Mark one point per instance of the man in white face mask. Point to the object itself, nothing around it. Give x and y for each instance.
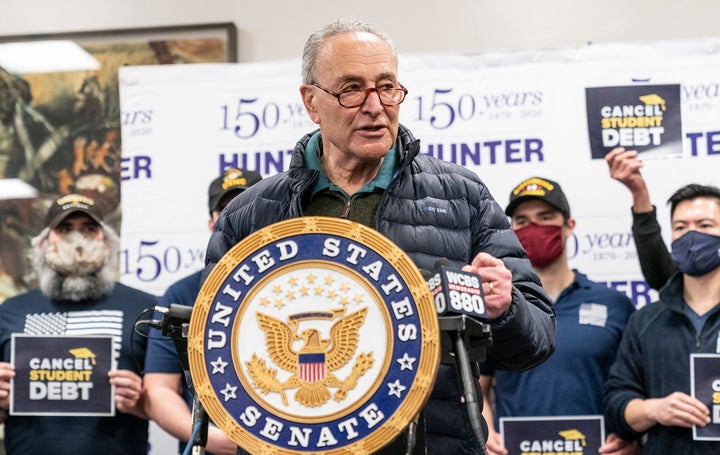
(73, 258)
(76, 260)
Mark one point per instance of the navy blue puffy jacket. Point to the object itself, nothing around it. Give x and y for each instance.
(432, 209)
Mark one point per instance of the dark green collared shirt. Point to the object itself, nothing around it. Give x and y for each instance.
(328, 199)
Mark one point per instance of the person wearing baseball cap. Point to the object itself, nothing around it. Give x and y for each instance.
(231, 183)
(538, 188)
(76, 257)
(169, 400)
(590, 319)
(544, 242)
(69, 204)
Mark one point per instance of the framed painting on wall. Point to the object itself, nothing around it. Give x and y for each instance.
(60, 121)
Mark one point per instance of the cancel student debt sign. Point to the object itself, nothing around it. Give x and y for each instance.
(61, 375)
(646, 118)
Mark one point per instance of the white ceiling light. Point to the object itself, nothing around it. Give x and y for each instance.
(16, 189)
(45, 57)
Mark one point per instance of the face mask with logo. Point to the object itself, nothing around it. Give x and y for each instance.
(543, 243)
(696, 253)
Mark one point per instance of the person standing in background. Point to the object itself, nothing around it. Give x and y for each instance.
(590, 320)
(648, 391)
(169, 400)
(76, 260)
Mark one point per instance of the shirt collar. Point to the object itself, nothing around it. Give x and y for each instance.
(313, 153)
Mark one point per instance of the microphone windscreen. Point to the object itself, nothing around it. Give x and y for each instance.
(426, 274)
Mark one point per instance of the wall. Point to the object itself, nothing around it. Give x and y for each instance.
(269, 32)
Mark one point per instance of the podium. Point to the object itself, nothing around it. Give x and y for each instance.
(318, 334)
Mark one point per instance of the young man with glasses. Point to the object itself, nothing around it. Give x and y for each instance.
(363, 166)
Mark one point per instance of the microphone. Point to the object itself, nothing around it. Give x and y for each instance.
(460, 304)
(170, 316)
(455, 291)
(174, 322)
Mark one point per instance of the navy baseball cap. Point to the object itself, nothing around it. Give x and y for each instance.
(71, 203)
(233, 180)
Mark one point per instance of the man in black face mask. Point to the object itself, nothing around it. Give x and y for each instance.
(76, 260)
(648, 391)
(590, 318)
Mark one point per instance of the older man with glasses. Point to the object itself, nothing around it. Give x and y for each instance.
(363, 166)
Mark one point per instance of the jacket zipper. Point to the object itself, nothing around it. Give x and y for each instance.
(346, 210)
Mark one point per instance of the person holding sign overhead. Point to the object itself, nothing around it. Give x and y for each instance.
(649, 386)
(655, 261)
(363, 166)
(590, 321)
(76, 260)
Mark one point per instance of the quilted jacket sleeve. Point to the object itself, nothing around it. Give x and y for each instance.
(525, 335)
(625, 381)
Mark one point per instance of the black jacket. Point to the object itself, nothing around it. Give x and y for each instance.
(655, 261)
(432, 209)
(653, 361)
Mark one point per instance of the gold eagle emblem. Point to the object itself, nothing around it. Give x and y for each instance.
(312, 366)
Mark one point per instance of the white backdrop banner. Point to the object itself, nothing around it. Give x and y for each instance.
(506, 116)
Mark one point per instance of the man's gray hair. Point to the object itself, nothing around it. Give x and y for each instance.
(315, 42)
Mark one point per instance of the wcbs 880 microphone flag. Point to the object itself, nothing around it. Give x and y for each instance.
(457, 292)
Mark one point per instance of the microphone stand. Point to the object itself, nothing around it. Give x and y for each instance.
(175, 323)
(467, 340)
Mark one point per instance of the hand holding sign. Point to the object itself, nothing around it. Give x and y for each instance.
(7, 372)
(494, 444)
(128, 392)
(677, 409)
(614, 445)
(625, 166)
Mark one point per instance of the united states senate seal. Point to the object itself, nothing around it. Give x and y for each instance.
(314, 335)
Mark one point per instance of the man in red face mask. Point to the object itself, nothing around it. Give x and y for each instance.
(590, 319)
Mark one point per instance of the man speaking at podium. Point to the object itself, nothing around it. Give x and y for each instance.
(363, 166)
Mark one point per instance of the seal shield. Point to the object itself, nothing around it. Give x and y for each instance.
(314, 335)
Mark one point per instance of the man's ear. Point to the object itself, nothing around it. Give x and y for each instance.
(307, 93)
(570, 226)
